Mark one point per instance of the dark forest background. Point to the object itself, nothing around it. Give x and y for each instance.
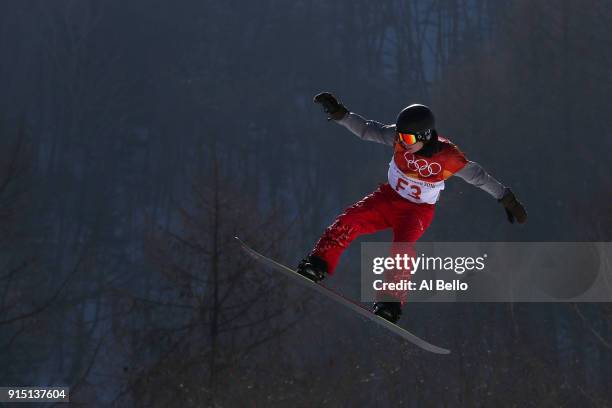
(138, 137)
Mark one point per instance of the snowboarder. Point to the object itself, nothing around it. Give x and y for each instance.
(421, 162)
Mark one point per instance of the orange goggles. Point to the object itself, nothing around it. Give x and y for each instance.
(407, 138)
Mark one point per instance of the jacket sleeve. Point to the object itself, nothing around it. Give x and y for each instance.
(369, 129)
(474, 174)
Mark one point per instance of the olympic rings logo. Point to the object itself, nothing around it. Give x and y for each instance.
(421, 166)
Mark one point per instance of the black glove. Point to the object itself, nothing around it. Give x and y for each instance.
(514, 208)
(331, 106)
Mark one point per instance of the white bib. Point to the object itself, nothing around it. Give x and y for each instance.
(415, 190)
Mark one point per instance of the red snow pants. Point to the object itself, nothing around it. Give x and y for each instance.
(382, 209)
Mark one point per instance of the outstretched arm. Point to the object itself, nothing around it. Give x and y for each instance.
(364, 129)
(368, 129)
(474, 174)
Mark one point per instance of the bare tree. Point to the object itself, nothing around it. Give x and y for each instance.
(210, 307)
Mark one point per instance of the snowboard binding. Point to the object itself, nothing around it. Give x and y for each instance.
(313, 268)
(390, 311)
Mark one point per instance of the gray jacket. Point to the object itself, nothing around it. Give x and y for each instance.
(370, 130)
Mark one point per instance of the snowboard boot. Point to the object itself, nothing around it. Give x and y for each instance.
(313, 267)
(390, 311)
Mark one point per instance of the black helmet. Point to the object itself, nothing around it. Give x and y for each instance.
(416, 119)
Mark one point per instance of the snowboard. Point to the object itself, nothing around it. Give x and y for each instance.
(338, 298)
